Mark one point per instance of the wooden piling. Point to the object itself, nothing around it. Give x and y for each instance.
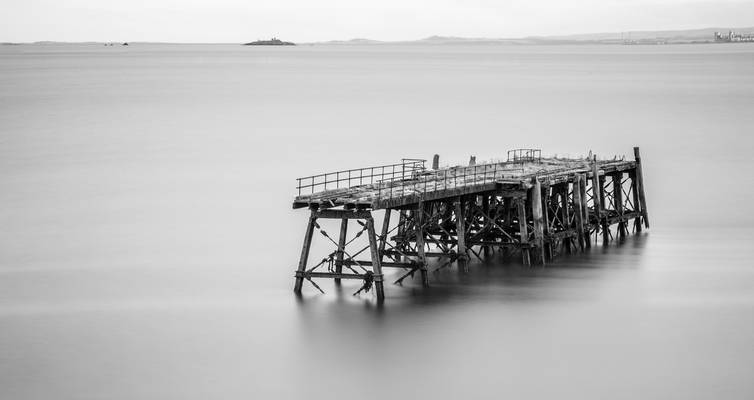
(341, 248)
(461, 231)
(538, 218)
(565, 214)
(578, 211)
(585, 211)
(305, 252)
(376, 264)
(545, 201)
(385, 229)
(486, 211)
(603, 217)
(596, 196)
(436, 162)
(635, 200)
(618, 202)
(524, 239)
(420, 243)
(640, 184)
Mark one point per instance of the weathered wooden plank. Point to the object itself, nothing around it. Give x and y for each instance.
(340, 214)
(335, 275)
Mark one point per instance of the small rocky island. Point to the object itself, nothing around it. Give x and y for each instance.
(271, 42)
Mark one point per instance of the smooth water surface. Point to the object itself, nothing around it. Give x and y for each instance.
(147, 244)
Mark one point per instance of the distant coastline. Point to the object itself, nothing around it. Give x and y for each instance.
(715, 35)
(690, 36)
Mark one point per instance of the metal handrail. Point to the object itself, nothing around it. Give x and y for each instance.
(407, 169)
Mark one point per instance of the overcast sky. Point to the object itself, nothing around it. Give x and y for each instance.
(314, 20)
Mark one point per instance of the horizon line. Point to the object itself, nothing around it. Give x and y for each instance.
(389, 41)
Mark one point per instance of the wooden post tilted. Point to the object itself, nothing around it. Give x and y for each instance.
(305, 252)
(420, 243)
(376, 264)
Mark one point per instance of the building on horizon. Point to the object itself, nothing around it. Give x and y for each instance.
(732, 36)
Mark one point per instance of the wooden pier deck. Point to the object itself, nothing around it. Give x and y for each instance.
(530, 204)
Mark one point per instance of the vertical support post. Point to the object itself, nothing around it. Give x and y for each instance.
(385, 229)
(596, 196)
(486, 211)
(461, 232)
(507, 220)
(640, 184)
(537, 217)
(585, 211)
(420, 243)
(508, 207)
(603, 218)
(305, 252)
(545, 201)
(635, 199)
(341, 248)
(525, 254)
(436, 162)
(577, 210)
(402, 223)
(376, 264)
(618, 202)
(565, 215)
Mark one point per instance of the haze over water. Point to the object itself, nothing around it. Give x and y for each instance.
(148, 244)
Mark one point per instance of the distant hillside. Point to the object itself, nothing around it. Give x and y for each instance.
(638, 37)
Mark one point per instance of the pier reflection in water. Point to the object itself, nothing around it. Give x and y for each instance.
(631, 318)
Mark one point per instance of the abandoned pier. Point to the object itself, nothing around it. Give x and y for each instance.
(529, 205)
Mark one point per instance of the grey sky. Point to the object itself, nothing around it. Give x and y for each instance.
(300, 20)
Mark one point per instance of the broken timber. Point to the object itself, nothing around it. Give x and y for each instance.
(538, 207)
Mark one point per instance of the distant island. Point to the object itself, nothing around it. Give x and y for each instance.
(271, 42)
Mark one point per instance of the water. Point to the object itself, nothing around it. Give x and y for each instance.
(147, 242)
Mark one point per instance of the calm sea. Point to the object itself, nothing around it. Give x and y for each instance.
(147, 243)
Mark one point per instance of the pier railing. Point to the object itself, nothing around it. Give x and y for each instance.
(522, 155)
(407, 169)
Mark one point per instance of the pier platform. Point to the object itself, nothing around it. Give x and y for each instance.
(536, 206)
